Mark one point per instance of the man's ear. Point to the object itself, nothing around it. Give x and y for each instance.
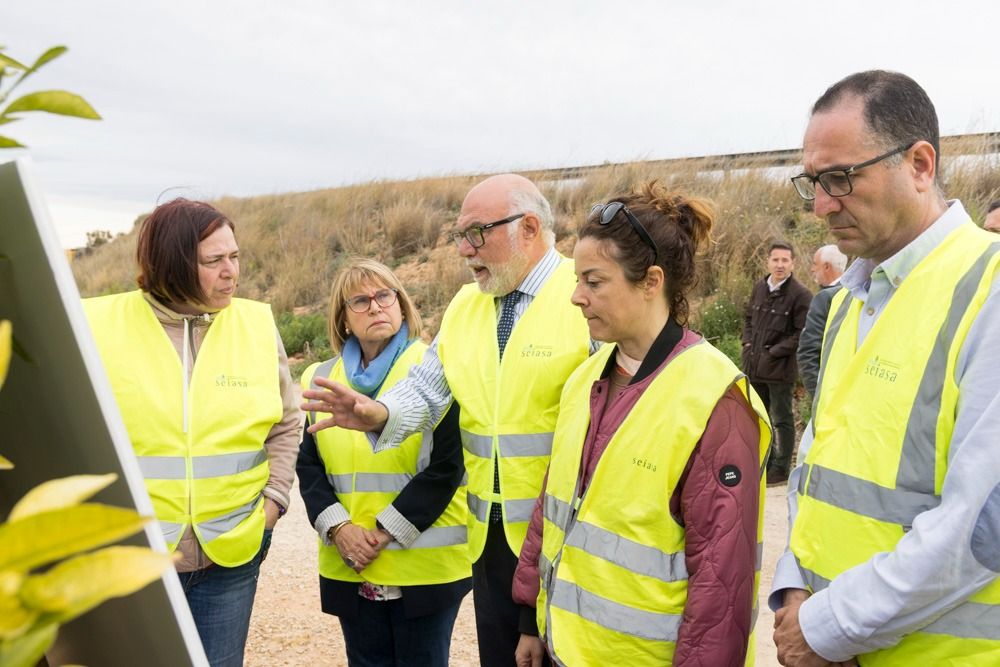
(531, 226)
(924, 165)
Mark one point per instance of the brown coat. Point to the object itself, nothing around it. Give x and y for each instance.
(771, 329)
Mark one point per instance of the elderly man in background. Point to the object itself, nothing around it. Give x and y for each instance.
(505, 348)
(894, 546)
(827, 266)
(772, 323)
(992, 222)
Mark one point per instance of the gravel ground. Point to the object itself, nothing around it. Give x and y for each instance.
(288, 629)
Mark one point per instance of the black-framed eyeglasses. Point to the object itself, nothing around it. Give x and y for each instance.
(837, 182)
(384, 298)
(611, 209)
(474, 235)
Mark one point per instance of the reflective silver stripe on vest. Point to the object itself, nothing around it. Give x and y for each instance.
(800, 487)
(758, 563)
(626, 553)
(212, 528)
(202, 467)
(341, 483)
(828, 338)
(381, 482)
(866, 498)
(163, 467)
(615, 616)
(478, 445)
(226, 464)
(556, 510)
(518, 510)
(323, 371)
(525, 444)
(815, 582)
(478, 507)
(917, 461)
(972, 620)
(171, 531)
(441, 536)
(544, 570)
(510, 445)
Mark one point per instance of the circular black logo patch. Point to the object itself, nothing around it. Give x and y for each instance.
(729, 475)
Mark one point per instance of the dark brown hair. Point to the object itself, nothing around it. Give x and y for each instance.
(680, 226)
(780, 245)
(167, 249)
(897, 110)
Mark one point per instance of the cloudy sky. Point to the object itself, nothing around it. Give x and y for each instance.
(249, 97)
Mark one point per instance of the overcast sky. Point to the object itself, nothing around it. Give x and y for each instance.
(240, 98)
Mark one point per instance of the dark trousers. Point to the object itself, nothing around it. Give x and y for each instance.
(382, 636)
(497, 615)
(777, 398)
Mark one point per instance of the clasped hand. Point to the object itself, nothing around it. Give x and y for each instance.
(347, 408)
(793, 650)
(358, 546)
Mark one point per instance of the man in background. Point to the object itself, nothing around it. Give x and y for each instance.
(773, 321)
(827, 266)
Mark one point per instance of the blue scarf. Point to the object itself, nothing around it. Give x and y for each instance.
(369, 380)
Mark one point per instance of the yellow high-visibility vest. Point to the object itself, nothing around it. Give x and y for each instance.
(614, 577)
(210, 474)
(885, 412)
(509, 408)
(366, 483)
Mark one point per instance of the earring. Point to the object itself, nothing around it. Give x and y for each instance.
(347, 330)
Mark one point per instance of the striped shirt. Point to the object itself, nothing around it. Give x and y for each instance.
(419, 400)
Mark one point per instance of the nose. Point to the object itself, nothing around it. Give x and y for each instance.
(577, 298)
(465, 248)
(824, 204)
(373, 306)
(230, 267)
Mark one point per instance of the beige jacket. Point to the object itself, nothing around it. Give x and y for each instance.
(282, 443)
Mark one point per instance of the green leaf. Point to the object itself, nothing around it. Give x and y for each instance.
(27, 650)
(54, 101)
(51, 536)
(10, 62)
(15, 617)
(80, 584)
(49, 56)
(7, 142)
(58, 493)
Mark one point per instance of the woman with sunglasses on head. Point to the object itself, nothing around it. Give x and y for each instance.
(393, 555)
(643, 546)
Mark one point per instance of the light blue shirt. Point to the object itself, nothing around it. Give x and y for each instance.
(934, 567)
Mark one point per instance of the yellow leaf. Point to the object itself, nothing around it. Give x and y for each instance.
(58, 493)
(43, 538)
(15, 618)
(27, 650)
(5, 464)
(5, 345)
(80, 584)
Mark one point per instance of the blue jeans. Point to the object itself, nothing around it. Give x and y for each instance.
(221, 599)
(382, 637)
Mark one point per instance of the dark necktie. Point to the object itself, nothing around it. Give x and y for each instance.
(504, 326)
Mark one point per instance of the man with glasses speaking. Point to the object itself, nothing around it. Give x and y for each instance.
(506, 345)
(894, 546)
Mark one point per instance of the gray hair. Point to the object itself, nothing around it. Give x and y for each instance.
(523, 201)
(832, 255)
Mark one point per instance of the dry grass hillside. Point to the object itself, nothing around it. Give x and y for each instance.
(293, 244)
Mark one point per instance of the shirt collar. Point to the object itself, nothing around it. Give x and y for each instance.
(859, 274)
(771, 286)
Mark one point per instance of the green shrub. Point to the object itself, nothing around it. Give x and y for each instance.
(730, 345)
(305, 334)
(719, 317)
